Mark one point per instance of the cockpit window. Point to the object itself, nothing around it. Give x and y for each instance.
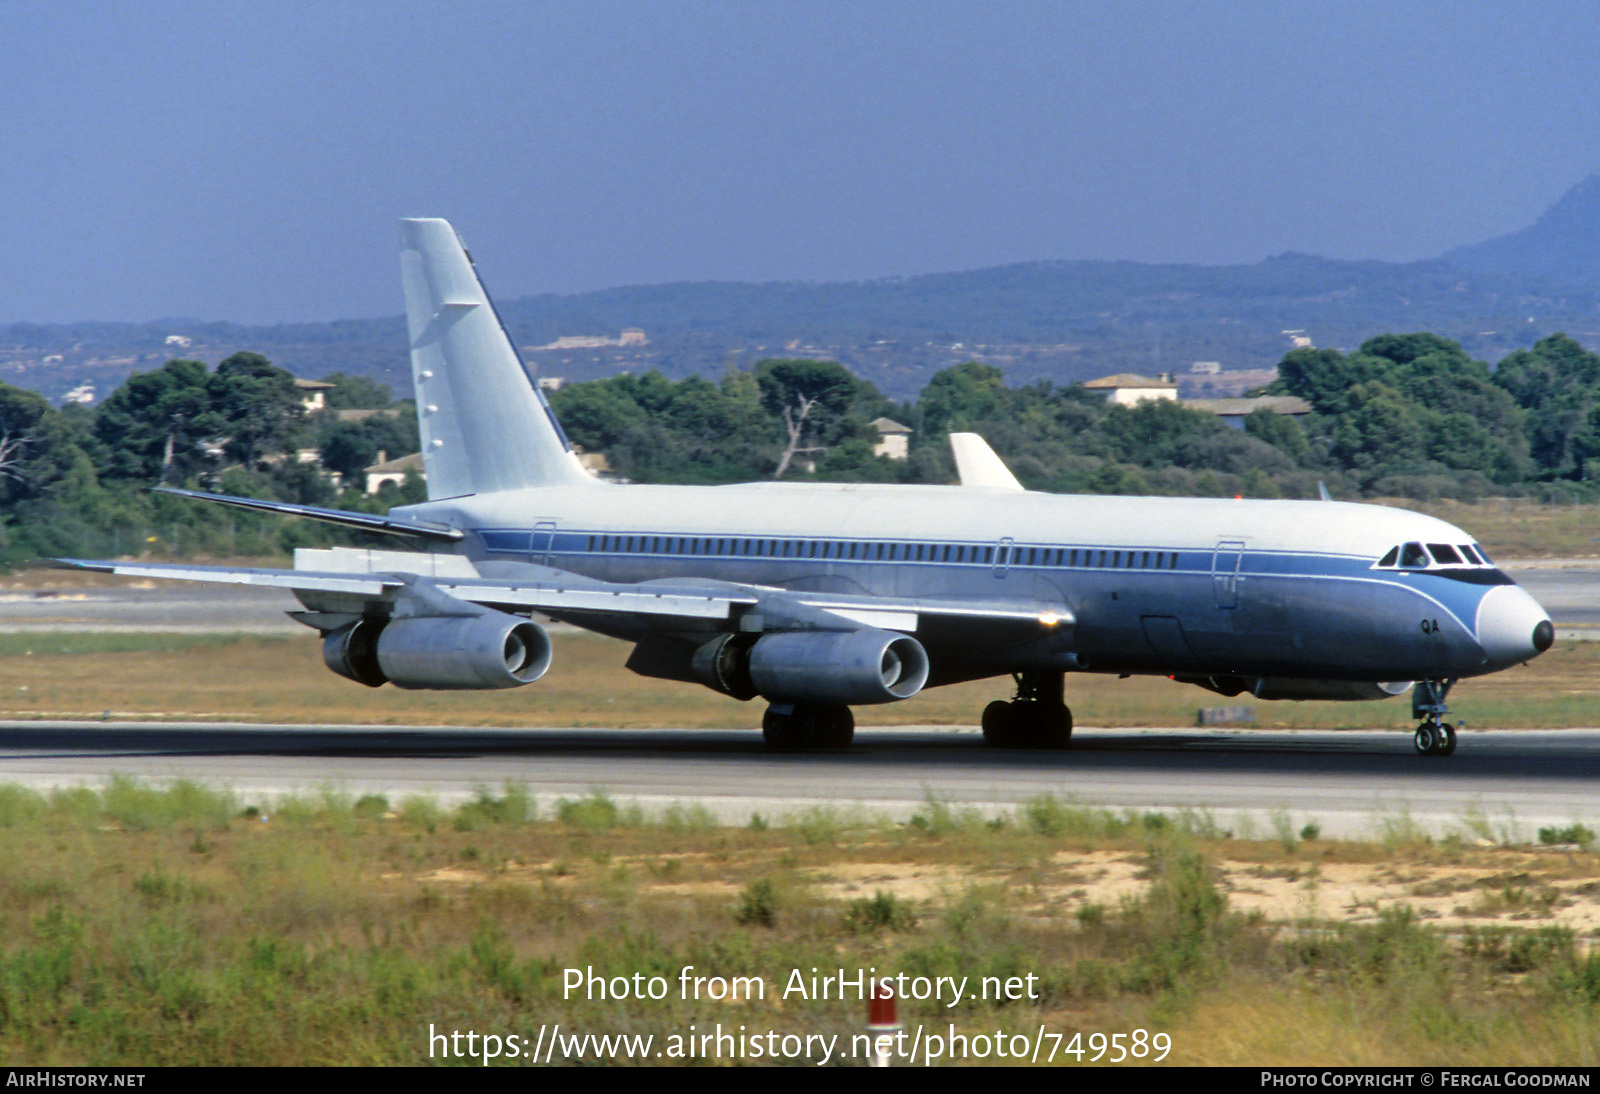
(1416, 556)
(1444, 554)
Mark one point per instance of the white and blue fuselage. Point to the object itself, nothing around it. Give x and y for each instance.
(1226, 588)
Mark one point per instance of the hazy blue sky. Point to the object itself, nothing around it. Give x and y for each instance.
(248, 161)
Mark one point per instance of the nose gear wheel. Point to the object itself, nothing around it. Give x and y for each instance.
(1435, 739)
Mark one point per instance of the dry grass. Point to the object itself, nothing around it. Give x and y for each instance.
(148, 927)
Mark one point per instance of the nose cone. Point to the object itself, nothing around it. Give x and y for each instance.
(1512, 627)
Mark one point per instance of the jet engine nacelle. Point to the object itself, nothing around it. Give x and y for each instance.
(837, 668)
(453, 652)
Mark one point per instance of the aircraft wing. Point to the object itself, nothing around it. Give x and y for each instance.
(562, 594)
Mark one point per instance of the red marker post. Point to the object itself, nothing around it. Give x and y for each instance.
(881, 1023)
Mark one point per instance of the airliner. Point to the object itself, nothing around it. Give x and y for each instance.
(820, 597)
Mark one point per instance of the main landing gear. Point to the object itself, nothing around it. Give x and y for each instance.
(802, 728)
(1435, 737)
(1037, 718)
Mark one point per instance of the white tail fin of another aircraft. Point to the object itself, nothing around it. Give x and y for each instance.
(485, 426)
(977, 464)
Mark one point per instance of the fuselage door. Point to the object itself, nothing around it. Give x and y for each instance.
(543, 534)
(1225, 572)
(1002, 556)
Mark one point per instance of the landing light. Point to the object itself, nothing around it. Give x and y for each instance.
(1049, 619)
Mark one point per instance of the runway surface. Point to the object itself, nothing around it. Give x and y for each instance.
(145, 606)
(1568, 589)
(1499, 785)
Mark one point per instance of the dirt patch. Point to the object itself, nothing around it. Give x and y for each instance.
(1511, 891)
(1497, 887)
(850, 880)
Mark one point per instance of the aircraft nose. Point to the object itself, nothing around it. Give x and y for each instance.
(1512, 627)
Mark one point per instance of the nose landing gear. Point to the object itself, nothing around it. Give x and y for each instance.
(1435, 736)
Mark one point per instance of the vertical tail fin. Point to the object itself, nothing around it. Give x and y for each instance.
(485, 426)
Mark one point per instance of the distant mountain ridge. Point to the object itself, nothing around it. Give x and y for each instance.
(1056, 320)
(1562, 247)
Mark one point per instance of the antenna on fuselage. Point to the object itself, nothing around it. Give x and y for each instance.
(1322, 490)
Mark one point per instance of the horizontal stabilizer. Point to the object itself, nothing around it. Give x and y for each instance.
(365, 522)
(977, 465)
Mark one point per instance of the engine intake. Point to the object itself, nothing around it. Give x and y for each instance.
(457, 652)
(842, 668)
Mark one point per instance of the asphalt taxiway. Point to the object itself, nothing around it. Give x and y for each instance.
(1500, 785)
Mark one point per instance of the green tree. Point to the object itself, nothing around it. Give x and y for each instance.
(40, 456)
(652, 429)
(819, 402)
(258, 404)
(156, 426)
(1324, 377)
(1557, 382)
(356, 392)
(957, 399)
(1383, 431)
(1281, 431)
(348, 450)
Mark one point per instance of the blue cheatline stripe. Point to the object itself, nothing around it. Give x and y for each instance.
(1457, 597)
(983, 553)
(1039, 556)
